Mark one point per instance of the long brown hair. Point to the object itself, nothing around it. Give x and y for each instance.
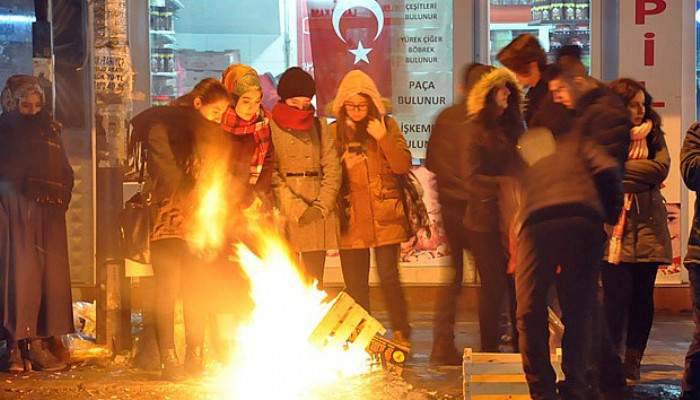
(208, 90)
(627, 88)
(345, 134)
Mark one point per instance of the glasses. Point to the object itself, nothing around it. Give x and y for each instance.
(356, 107)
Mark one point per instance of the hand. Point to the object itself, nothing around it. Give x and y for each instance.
(376, 129)
(352, 159)
(310, 215)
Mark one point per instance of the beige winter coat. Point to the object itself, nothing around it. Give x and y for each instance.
(303, 152)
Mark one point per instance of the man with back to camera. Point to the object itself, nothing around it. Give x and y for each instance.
(568, 193)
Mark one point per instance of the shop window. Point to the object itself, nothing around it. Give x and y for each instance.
(404, 45)
(16, 20)
(555, 23)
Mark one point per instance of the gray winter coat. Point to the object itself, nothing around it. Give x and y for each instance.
(298, 153)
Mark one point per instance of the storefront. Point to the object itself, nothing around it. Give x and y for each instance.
(415, 50)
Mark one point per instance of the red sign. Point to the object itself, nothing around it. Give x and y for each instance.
(347, 35)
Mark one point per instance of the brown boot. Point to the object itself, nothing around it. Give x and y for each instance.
(42, 359)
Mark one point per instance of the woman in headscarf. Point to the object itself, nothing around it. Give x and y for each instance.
(36, 181)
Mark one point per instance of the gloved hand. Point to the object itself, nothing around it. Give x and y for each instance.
(310, 215)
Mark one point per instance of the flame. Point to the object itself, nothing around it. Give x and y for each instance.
(207, 232)
(274, 357)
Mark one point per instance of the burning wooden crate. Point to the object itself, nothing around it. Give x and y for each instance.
(498, 376)
(349, 325)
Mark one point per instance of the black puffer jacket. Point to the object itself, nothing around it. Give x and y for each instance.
(690, 169)
(602, 116)
(487, 157)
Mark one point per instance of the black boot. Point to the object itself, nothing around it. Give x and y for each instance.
(170, 369)
(42, 359)
(633, 361)
(194, 365)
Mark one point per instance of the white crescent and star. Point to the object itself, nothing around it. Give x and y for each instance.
(341, 7)
(360, 53)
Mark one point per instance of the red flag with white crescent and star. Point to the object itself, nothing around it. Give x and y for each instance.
(347, 35)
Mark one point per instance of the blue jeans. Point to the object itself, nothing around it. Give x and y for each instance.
(691, 377)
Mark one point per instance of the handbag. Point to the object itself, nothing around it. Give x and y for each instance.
(413, 205)
(136, 222)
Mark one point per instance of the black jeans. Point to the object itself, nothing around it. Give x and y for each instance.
(491, 258)
(313, 263)
(575, 244)
(176, 273)
(355, 266)
(691, 376)
(629, 304)
(606, 373)
(446, 304)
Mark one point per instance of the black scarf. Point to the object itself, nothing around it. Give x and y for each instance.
(37, 158)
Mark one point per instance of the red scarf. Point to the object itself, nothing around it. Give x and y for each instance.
(293, 119)
(259, 127)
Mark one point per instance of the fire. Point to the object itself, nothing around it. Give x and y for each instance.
(274, 357)
(273, 354)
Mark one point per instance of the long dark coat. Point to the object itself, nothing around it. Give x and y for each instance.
(35, 190)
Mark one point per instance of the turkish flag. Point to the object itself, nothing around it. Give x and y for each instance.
(347, 35)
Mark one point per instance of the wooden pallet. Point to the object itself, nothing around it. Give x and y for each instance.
(498, 376)
(348, 325)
